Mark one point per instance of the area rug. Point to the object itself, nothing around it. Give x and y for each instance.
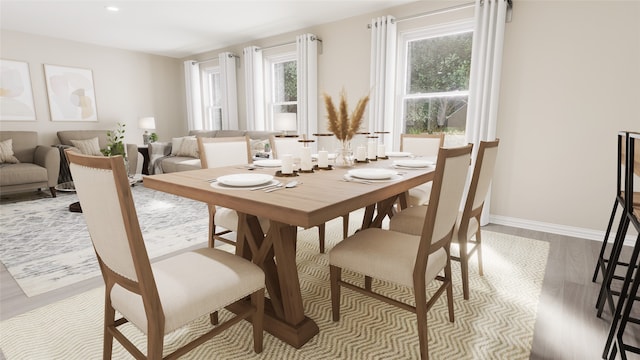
(45, 246)
(496, 323)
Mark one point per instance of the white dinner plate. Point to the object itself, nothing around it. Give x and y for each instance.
(245, 179)
(413, 163)
(398, 154)
(372, 173)
(268, 163)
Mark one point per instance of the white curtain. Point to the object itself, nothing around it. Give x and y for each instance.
(193, 95)
(307, 50)
(484, 81)
(229, 94)
(254, 88)
(383, 71)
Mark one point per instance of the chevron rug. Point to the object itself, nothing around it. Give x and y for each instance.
(45, 246)
(496, 323)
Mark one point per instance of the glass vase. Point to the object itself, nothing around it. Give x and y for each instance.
(344, 155)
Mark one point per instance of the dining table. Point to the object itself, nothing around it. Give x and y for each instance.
(320, 196)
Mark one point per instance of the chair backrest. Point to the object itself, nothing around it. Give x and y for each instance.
(480, 181)
(286, 145)
(421, 144)
(104, 192)
(224, 151)
(446, 194)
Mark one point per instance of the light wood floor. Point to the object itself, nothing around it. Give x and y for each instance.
(566, 325)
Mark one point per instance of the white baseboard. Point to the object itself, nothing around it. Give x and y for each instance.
(577, 232)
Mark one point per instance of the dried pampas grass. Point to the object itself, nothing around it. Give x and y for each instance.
(343, 126)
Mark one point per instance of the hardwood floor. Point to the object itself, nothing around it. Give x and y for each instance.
(566, 325)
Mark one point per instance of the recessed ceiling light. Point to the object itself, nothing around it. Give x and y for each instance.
(112, 8)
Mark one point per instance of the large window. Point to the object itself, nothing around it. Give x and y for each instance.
(211, 98)
(434, 82)
(281, 86)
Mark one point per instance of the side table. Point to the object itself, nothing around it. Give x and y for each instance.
(144, 150)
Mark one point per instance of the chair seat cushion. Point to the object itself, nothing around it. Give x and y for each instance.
(22, 173)
(228, 219)
(384, 255)
(411, 221)
(420, 194)
(191, 285)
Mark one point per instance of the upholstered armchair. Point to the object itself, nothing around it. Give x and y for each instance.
(25, 165)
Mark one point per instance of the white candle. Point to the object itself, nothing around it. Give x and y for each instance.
(287, 164)
(361, 153)
(323, 159)
(371, 150)
(305, 159)
(381, 151)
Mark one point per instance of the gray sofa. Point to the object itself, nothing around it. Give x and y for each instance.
(38, 165)
(134, 158)
(165, 158)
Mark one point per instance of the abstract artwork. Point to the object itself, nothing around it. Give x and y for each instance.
(16, 96)
(71, 93)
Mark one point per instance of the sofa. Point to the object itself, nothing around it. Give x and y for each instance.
(181, 153)
(134, 158)
(25, 165)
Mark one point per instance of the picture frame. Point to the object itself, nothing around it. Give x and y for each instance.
(16, 92)
(71, 93)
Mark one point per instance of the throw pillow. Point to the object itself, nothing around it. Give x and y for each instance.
(177, 142)
(189, 147)
(6, 152)
(88, 147)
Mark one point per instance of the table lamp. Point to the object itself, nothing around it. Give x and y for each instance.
(146, 123)
(285, 122)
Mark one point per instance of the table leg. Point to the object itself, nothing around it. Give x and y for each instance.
(275, 253)
(381, 210)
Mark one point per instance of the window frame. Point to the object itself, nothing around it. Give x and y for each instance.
(206, 73)
(404, 38)
(270, 103)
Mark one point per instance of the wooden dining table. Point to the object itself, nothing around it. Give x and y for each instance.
(319, 197)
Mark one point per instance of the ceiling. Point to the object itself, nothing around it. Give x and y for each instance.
(176, 28)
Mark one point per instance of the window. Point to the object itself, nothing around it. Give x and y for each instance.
(281, 86)
(212, 98)
(434, 80)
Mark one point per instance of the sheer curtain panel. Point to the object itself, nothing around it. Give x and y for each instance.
(484, 81)
(193, 94)
(307, 49)
(254, 88)
(382, 78)
(228, 91)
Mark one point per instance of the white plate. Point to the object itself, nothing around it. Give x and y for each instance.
(268, 163)
(372, 173)
(413, 163)
(245, 179)
(398, 154)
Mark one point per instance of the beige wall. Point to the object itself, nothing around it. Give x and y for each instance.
(128, 85)
(570, 82)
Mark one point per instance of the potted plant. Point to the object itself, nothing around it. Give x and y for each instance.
(115, 140)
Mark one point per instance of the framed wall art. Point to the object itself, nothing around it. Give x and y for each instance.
(71, 93)
(16, 94)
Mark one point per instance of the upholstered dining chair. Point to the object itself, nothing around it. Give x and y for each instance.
(426, 145)
(161, 297)
(219, 152)
(290, 145)
(409, 260)
(467, 239)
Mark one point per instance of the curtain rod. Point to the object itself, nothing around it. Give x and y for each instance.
(442, 11)
(215, 58)
(285, 44)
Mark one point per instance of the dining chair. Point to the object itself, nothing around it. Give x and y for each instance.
(290, 145)
(408, 260)
(422, 145)
(467, 239)
(219, 152)
(162, 297)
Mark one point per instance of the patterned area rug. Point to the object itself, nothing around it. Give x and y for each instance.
(45, 246)
(496, 323)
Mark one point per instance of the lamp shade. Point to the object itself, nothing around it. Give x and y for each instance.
(285, 121)
(147, 123)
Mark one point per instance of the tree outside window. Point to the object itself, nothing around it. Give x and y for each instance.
(285, 87)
